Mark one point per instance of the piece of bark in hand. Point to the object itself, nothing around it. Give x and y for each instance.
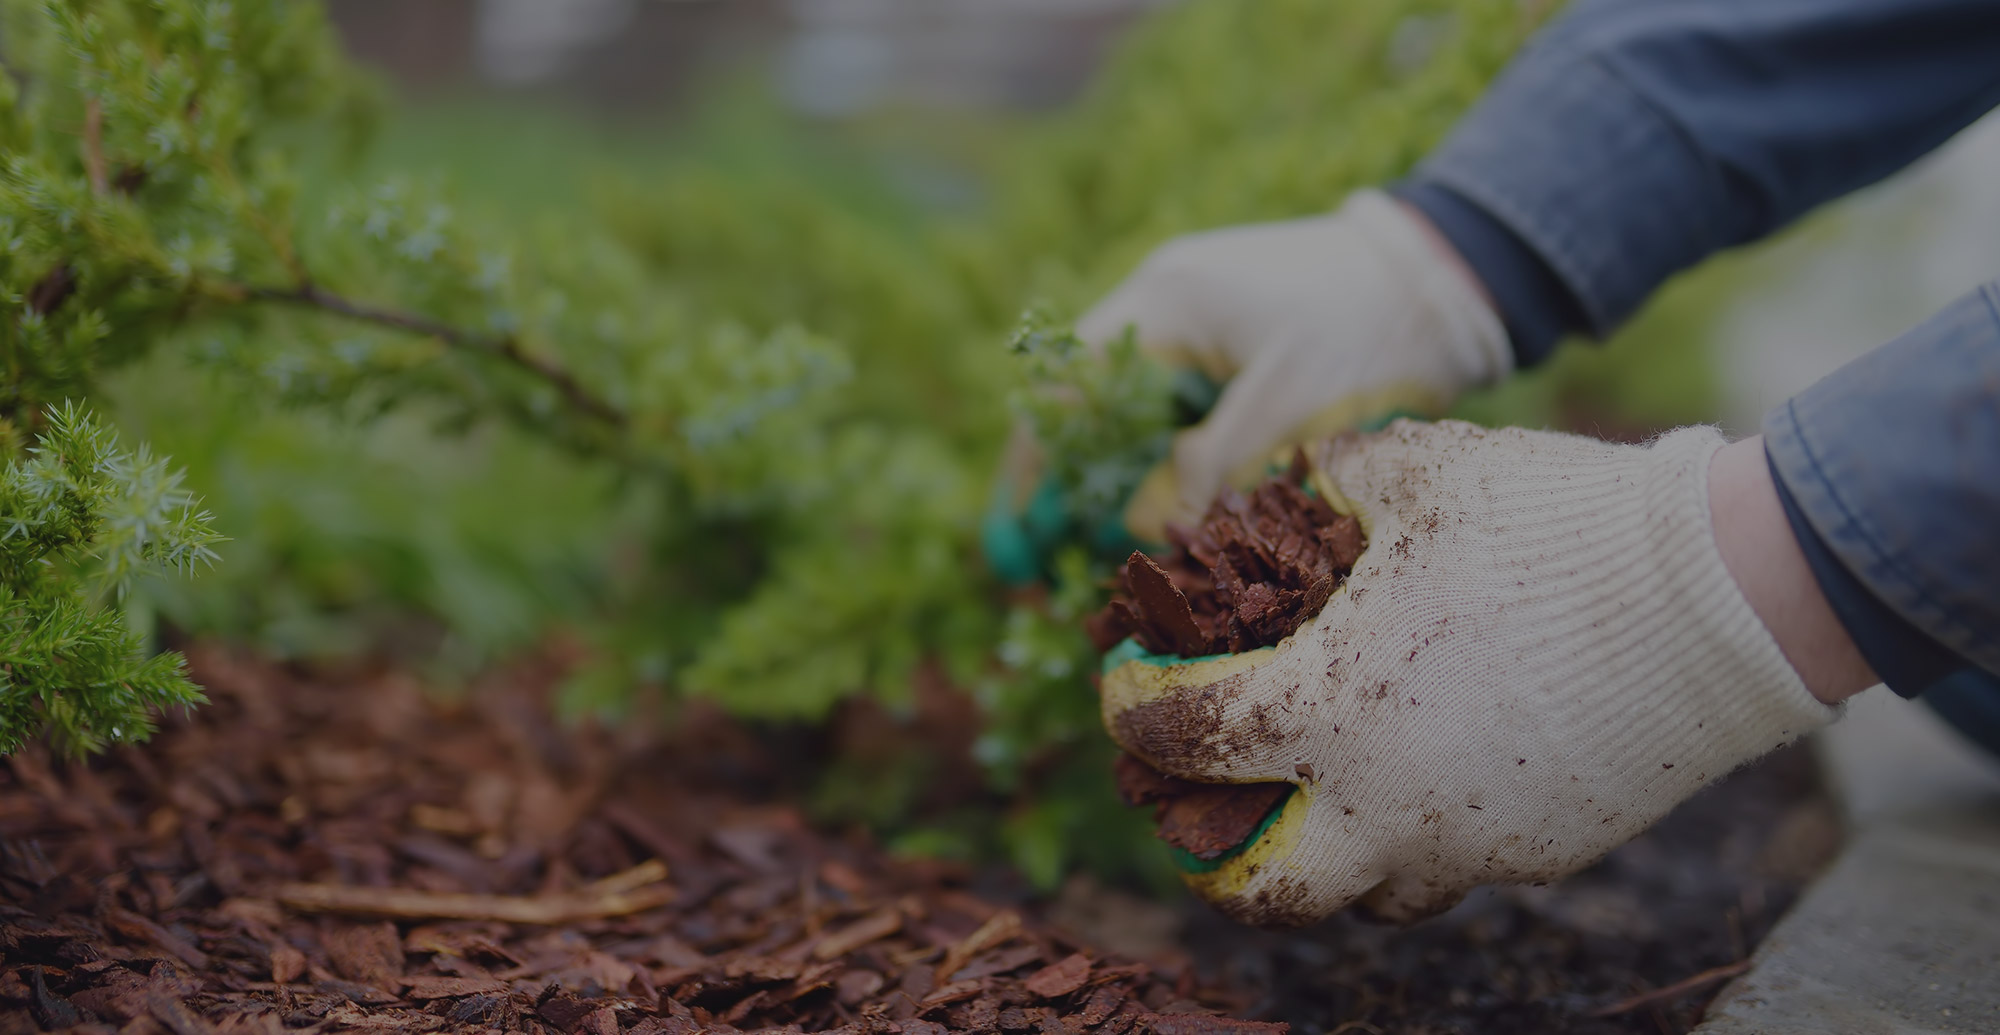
(1257, 568)
(1162, 606)
(1208, 820)
(1204, 819)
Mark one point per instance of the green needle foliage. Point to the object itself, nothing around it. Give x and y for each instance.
(1100, 418)
(771, 405)
(80, 519)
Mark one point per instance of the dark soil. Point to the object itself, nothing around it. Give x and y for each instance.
(1256, 569)
(1691, 897)
(333, 853)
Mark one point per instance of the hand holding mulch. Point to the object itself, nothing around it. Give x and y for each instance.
(1256, 569)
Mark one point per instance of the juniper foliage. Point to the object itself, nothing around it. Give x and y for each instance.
(80, 519)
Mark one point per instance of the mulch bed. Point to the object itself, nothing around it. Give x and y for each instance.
(345, 853)
(222, 879)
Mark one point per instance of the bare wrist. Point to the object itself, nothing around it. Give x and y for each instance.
(1764, 558)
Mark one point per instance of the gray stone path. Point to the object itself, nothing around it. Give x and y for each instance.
(1902, 934)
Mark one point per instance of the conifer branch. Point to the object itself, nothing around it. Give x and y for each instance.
(505, 348)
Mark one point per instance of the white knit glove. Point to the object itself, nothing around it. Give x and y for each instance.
(1318, 325)
(1538, 655)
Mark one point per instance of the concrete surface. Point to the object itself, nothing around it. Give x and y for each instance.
(1902, 934)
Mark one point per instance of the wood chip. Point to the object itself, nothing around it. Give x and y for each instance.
(873, 927)
(371, 954)
(1102, 1004)
(136, 926)
(427, 988)
(1209, 820)
(953, 992)
(1003, 927)
(999, 961)
(1162, 607)
(1059, 978)
(287, 964)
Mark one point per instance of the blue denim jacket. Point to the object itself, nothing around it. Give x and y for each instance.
(1633, 138)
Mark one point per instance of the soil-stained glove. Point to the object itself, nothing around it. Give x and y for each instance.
(1539, 654)
(1317, 325)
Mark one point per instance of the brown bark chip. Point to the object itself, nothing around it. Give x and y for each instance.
(1257, 568)
(277, 862)
(1211, 819)
(287, 964)
(1162, 610)
(369, 953)
(1205, 820)
(1059, 978)
(1254, 570)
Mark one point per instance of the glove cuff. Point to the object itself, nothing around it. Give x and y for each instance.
(1467, 329)
(1726, 692)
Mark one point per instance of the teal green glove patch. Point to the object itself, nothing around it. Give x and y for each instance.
(1130, 650)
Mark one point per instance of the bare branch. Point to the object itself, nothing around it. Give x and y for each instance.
(502, 347)
(1681, 987)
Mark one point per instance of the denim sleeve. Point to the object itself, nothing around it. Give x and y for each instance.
(1633, 138)
(1890, 472)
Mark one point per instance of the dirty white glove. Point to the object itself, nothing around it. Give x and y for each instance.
(1318, 325)
(1538, 655)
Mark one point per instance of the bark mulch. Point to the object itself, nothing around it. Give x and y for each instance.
(1256, 568)
(345, 853)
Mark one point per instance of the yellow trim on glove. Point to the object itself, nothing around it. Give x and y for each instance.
(1144, 681)
(1273, 848)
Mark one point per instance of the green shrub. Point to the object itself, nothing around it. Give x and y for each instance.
(80, 520)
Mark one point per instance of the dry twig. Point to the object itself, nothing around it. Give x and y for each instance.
(873, 927)
(1001, 928)
(635, 890)
(1685, 985)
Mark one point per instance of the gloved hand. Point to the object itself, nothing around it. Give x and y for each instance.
(1538, 655)
(1317, 325)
